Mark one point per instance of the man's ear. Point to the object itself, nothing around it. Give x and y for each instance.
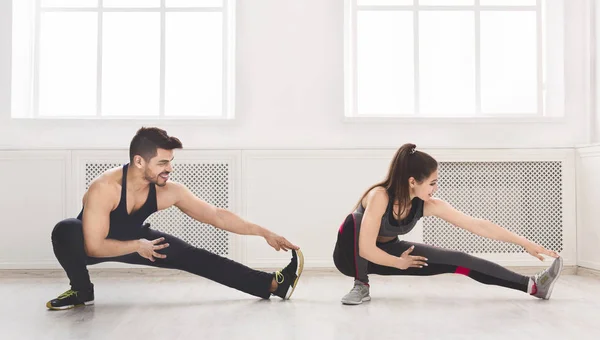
(138, 161)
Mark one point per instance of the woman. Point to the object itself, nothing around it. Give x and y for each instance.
(368, 239)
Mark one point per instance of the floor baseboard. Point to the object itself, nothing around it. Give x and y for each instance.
(160, 272)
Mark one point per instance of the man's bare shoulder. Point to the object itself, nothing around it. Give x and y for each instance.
(110, 179)
(169, 194)
(107, 186)
(171, 189)
(171, 186)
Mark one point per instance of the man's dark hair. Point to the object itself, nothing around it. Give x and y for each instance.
(148, 139)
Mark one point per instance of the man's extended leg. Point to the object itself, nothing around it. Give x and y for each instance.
(67, 240)
(183, 256)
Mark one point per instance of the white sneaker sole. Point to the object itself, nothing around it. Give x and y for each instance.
(298, 273)
(560, 267)
(354, 303)
(88, 303)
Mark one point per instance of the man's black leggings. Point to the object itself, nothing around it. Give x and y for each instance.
(67, 241)
(440, 261)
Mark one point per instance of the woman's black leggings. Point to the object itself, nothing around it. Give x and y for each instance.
(440, 261)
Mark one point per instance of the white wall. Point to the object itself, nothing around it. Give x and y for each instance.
(588, 168)
(5, 60)
(290, 94)
(588, 198)
(30, 205)
(595, 73)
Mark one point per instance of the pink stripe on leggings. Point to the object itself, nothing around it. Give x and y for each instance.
(355, 249)
(462, 270)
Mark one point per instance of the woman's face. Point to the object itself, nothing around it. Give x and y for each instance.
(426, 189)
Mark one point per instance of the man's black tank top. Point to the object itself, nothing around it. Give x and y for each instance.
(125, 226)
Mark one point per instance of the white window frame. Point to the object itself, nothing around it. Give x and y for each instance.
(229, 44)
(550, 64)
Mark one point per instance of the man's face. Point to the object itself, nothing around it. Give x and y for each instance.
(158, 168)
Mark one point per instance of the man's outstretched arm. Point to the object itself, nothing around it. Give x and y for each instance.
(220, 218)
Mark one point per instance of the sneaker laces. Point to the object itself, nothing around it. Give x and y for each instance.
(538, 276)
(357, 288)
(67, 294)
(279, 277)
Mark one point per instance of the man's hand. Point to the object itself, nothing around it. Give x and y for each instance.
(279, 242)
(148, 248)
(536, 250)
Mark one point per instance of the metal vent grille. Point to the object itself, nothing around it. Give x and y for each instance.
(524, 197)
(207, 180)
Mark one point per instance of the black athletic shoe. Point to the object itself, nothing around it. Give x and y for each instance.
(71, 299)
(287, 278)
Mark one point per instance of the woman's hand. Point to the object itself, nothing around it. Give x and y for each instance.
(536, 250)
(407, 261)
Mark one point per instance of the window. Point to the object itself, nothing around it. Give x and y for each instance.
(123, 58)
(453, 58)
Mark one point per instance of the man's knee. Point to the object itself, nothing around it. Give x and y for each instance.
(65, 228)
(177, 248)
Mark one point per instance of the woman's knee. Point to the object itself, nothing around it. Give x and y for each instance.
(345, 270)
(459, 258)
(342, 263)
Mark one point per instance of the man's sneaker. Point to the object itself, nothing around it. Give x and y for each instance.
(71, 299)
(287, 278)
(545, 280)
(357, 295)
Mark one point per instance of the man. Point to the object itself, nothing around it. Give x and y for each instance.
(111, 227)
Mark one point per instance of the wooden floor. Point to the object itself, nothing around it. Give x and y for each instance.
(185, 307)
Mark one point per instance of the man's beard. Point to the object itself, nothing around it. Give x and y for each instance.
(154, 180)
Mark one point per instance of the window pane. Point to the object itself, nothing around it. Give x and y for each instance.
(131, 64)
(385, 62)
(131, 3)
(69, 3)
(194, 64)
(384, 2)
(507, 2)
(22, 58)
(447, 62)
(194, 3)
(508, 62)
(67, 83)
(446, 2)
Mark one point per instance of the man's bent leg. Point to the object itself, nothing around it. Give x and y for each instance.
(67, 242)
